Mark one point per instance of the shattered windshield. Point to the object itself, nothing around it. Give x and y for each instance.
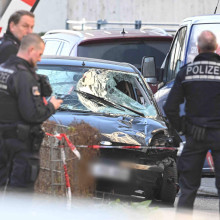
(99, 90)
(196, 31)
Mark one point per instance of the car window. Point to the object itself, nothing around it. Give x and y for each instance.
(130, 52)
(65, 51)
(116, 87)
(196, 31)
(176, 56)
(51, 47)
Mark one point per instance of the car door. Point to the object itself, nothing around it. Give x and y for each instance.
(176, 56)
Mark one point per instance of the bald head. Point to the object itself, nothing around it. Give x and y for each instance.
(30, 40)
(207, 42)
(31, 48)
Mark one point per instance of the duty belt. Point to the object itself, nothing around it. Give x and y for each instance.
(8, 131)
(9, 134)
(20, 131)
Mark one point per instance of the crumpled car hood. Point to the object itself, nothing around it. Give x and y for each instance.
(115, 129)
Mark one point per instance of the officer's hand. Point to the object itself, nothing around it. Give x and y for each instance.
(56, 102)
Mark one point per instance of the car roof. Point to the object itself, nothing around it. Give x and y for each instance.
(212, 18)
(87, 62)
(109, 34)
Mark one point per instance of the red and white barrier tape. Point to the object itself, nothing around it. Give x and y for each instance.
(61, 137)
(73, 148)
(67, 179)
(127, 147)
(69, 143)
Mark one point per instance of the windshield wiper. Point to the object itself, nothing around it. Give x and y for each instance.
(104, 101)
(72, 110)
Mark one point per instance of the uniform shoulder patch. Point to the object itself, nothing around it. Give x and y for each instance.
(35, 91)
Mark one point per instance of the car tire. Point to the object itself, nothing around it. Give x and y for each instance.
(149, 194)
(169, 187)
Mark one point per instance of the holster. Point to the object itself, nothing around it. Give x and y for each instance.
(37, 135)
(46, 89)
(23, 132)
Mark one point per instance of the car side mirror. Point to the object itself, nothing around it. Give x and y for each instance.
(148, 69)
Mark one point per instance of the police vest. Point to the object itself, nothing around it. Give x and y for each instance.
(201, 81)
(9, 112)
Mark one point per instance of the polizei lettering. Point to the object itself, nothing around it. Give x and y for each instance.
(203, 70)
(4, 75)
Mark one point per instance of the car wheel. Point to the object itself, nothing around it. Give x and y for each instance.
(149, 194)
(169, 187)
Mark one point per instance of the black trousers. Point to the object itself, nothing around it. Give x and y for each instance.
(190, 166)
(19, 166)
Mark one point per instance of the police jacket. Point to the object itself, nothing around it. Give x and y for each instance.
(9, 45)
(198, 84)
(20, 94)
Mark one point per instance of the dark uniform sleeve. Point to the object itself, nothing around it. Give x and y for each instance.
(172, 105)
(6, 51)
(30, 102)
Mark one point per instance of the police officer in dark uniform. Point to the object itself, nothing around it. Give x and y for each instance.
(198, 84)
(22, 111)
(20, 24)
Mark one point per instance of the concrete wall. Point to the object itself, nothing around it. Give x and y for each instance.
(52, 14)
(146, 10)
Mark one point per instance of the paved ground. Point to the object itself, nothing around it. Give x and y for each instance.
(207, 197)
(207, 203)
(208, 186)
(206, 207)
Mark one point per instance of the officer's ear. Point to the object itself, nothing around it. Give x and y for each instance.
(199, 50)
(30, 49)
(12, 27)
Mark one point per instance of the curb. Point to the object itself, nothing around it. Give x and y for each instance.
(208, 190)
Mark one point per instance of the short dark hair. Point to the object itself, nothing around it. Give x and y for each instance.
(16, 17)
(32, 39)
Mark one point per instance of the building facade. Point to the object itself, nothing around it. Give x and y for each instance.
(52, 14)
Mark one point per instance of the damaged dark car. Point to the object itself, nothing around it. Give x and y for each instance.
(137, 148)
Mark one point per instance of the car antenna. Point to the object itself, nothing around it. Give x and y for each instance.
(123, 31)
(216, 7)
(83, 63)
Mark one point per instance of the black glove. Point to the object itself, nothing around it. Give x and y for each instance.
(198, 133)
(46, 89)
